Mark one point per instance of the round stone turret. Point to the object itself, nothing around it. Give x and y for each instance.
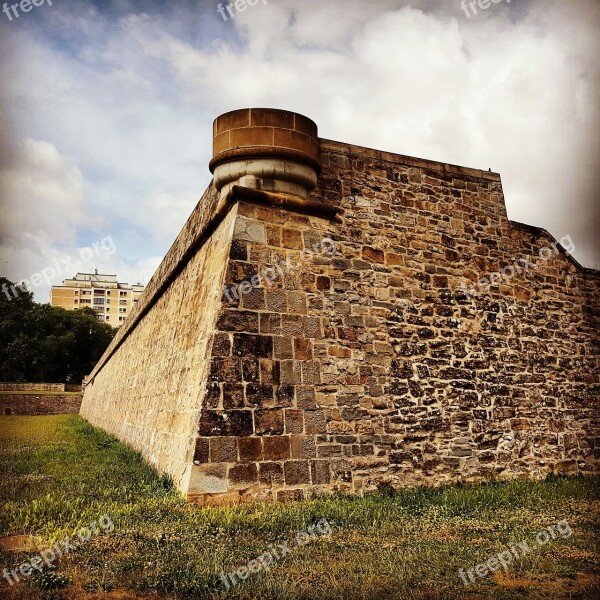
(265, 149)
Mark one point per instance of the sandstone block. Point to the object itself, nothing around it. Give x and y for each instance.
(260, 346)
(294, 421)
(243, 474)
(276, 448)
(251, 449)
(320, 471)
(303, 446)
(223, 449)
(271, 474)
(209, 479)
(297, 472)
(269, 422)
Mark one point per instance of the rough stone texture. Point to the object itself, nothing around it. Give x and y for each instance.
(36, 387)
(149, 392)
(36, 404)
(378, 368)
(368, 367)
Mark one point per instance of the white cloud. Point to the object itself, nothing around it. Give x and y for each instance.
(42, 196)
(515, 89)
(174, 210)
(40, 177)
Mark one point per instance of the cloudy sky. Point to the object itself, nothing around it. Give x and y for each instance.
(106, 109)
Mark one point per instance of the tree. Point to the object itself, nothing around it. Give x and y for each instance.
(43, 343)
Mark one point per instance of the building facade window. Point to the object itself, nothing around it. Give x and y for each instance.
(94, 289)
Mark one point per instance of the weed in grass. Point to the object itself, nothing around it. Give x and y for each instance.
(182, 582)
(99, 586)
(49, 580)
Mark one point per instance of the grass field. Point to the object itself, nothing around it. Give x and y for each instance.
(58, 474)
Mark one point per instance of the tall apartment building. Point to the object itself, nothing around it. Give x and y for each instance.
(111, 300)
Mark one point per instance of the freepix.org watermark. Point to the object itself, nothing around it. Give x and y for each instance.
(238, 5)
(103, 525)
(267, 276)
(13, 11)
(516, 551)
(276, 553)
(470, 6)
(521, 265)
(61, 266)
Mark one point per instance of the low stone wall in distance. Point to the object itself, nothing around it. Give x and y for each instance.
(36, 387)
(35, 404)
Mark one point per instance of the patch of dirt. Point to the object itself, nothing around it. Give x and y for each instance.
(554, 587)
(19, 543)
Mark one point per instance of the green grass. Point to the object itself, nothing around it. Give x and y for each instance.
(59, 474)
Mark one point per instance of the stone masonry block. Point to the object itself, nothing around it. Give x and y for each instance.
(273, 235)
(268, 422)
(312, 328)
(311, 372)
(238, 320)
(276, 448)
(239, 250)
(201, 453)
(226, 369)
(243, 474)
(296, 302)
(292, 325)
(213, 394)
(209, 479)
(221, 345)
(270, 371)
(271, 474)
(276, 301)
(320, 471)
(315, 421)
(270, 323)
(323, 283)
(285, 395)
(373, 255)
(306, 397)
(231, 422)
(294, 421)
(223, 449)
(292, 239)
(250, 369)
(249, 230)
(254, 299)
(303, 446)
(251, 449)
(259, 346)
(297, 472)
(283, 348)
(291, 372)
(302, 349)
(259, 394)
(233, 395)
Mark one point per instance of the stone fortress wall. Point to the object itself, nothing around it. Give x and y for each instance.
(314, 328)
(36, 399)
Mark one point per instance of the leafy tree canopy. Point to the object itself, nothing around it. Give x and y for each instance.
(42, 343)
